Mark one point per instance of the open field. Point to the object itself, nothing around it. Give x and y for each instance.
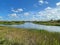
(17, 36)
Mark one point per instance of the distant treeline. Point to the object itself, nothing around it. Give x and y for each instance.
(51, 22)
(11, 22)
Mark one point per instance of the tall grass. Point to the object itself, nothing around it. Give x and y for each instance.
(16, 36)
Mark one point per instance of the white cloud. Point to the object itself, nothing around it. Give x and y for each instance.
(17, 10)
(13, 15)
(26, 13)
(48, 14)
(14, 10)
(58, 3)
(20, 10)
(35, 18)
(42, 2)
(48, 8)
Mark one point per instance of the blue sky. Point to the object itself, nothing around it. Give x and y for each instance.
(29, 10)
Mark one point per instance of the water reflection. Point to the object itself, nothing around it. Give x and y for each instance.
(36, 26)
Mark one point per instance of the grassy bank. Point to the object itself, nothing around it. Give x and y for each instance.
(16, 36)
(51, 23)
(11, 22)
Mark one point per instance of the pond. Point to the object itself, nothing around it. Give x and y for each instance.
(36, 26)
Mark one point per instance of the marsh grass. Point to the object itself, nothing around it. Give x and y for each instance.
(17, 36)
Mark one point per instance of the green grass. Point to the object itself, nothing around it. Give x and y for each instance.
(17, 36)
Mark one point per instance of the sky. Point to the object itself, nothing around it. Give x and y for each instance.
(29, 10)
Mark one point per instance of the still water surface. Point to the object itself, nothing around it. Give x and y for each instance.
(36, 26)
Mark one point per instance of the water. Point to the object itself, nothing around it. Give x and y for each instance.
(36, 26)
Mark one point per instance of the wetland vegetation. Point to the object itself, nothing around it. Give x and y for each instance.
(18, 36)
(22, 36)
